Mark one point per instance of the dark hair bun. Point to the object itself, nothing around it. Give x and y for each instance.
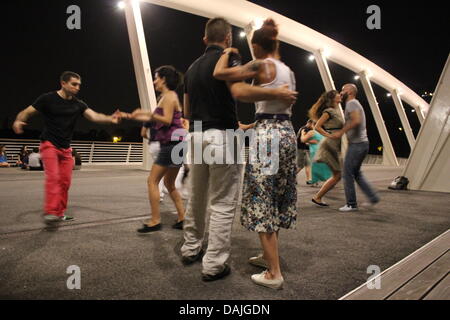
(270, 29)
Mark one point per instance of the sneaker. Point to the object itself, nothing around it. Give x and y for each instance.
(259, 261)
(51, 218)
(261, 280)
(226, 271)
(348, 208)
(369, 204)
(187, 260)
(67, 218)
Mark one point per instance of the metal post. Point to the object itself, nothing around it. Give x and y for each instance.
(128, 153)
(144, 79)
(91, 154)
(328, 83)
(389, 157)
(249, 34)
(420, 115)
(404, 119)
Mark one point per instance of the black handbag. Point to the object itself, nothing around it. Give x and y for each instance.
(399, 183)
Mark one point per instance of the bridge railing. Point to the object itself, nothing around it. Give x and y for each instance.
(91, 152)
(121, 153)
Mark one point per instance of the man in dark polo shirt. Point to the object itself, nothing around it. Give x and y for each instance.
(60, 110)
(210, 106)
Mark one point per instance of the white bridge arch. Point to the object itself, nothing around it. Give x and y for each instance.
(243, 14)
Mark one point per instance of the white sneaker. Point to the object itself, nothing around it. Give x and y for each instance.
(270, 283)
(369, 204)
(259, 261)
(348, 208)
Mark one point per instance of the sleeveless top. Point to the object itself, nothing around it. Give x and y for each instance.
(163, 133)
(284, 75)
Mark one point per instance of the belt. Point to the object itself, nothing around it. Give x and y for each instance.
(279, 117)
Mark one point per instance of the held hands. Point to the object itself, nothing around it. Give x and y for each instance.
(18, 126)
(287, 95)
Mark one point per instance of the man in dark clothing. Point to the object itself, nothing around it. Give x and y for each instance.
(60, 110)
(210, 106)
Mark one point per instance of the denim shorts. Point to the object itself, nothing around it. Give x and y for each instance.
(165, 159)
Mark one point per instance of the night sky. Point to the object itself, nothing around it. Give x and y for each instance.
(37, 46)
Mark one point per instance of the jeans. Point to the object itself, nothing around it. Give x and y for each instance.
(354, 158)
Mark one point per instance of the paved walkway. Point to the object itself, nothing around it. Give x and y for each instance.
(326, 257)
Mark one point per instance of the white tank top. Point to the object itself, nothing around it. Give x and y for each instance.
(284, 75)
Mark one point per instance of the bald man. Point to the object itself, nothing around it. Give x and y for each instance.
(358, 147)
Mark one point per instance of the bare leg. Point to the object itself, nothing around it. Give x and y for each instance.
(308, 173)
(156, 174)
(169, 182)
(269, 242)
(328, 185)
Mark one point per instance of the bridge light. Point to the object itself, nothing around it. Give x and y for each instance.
(388, 95)
(242, 34)
(121, 5)
(380, 148)
(258, 23)
(117, 139)
(401, 129)
(413, 110)
(311, 58)
(356, 77)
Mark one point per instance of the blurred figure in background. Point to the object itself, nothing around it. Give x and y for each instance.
(3, 157)
(34, 160)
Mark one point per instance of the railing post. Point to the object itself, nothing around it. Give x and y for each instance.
(128, 154)
(91, 154)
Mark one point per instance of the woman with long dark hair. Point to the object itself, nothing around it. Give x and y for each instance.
(328, 120)
(168, 123)
(269, 197)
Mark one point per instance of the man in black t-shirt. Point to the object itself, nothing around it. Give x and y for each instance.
(60, 111)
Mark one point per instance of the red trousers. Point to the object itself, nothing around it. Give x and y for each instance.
(58, 165)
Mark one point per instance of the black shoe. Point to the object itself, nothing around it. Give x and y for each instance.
(146, 229)
(191, 259)
(321, 204)
(178, 225)
(226, 271)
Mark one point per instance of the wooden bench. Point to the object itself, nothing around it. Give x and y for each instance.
(423, 275)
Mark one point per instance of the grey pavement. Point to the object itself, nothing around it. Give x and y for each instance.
(325, 257)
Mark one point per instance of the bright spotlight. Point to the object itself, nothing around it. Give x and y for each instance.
(311, 58)
(388, 95)
(413, 110)
(356, 77)
(121, 5)
(258, 23)
(242, 34)
(401, 129)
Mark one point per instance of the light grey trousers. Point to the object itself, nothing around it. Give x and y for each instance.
(214, 190)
